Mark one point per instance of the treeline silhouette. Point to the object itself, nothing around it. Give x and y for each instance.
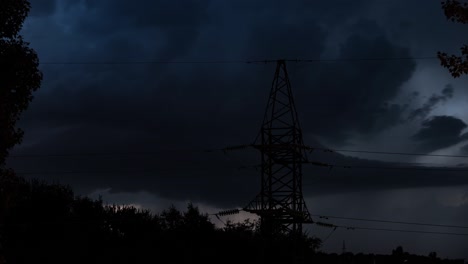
(47, 223)
(398, 256)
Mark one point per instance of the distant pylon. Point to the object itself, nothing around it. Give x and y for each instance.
(280, 203)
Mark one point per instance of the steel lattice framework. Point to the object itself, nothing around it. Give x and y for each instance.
(280, 203)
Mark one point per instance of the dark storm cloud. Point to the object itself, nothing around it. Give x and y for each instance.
(464, 150)
(440, 132)
(278, 12)
(448, 91)
(356, 97)
(42, 7)
(431, 103)
(175, 111)
(269, 42)
(120, 30)
(350, 174)
(131, 120)
(112, 15)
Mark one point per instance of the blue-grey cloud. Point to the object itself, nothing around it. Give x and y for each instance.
(440, 132)
(356, 97)
(175, 110)
(431, 103)
(464, 149)
(42, 7)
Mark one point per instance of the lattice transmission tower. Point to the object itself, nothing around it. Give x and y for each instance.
(280, 203)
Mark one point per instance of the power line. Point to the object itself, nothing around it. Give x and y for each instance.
(124, 171)
(328, 236)
(328, 225)
(230, 148)
(349, 59)
(234, 61)
(140, 62)
(388, 221)
(152, 154)
(331, 166)
(400, 230)
(130, 170)
(309, 148)
(239, 168)
(313, 148)
(392, 153)
(110, 221)
(445, 169)
(106, 154)
(414, 166)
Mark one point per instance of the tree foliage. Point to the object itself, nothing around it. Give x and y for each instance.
(19, 78)
(455, 11)
(19, 73)
(47, 223)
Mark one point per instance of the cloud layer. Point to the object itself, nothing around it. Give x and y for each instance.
(144, 127)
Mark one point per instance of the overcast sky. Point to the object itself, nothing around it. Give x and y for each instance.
(136, 133)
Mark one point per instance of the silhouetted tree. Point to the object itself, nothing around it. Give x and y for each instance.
(172, 219)
(456, 11)
(47, 223)
(398, 251)
(19, 73)
(399, 255)
(10, 187)
(196, 222)
(19, 77)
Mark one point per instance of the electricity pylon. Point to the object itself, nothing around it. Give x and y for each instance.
(280, 203)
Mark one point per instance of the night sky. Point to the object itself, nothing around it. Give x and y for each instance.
(108, 123)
